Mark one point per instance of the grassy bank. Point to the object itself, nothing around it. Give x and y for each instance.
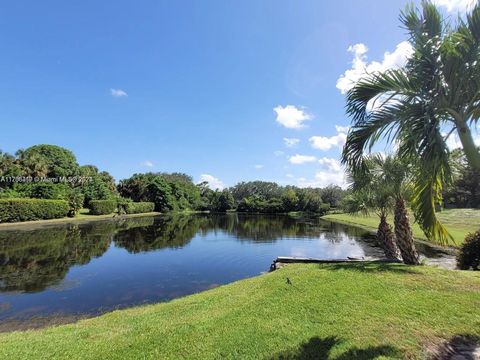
(83, 216)
(459, 222)
(340, 311)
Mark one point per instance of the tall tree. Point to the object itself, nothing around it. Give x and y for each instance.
(438, 88)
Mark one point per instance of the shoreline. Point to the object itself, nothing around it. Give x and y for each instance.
(449, 250)
(23, 225)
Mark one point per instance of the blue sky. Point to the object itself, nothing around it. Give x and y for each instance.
(228, 90)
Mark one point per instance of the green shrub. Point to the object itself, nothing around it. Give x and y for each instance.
(322, 209)
(122, 203)
(469, 255)
(13, 210)
(138, 207)
(75, 200)
(45, 190)
(102, 207)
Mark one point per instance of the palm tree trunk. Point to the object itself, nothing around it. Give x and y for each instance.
(403, 233)
(471, 151)
(387, 239)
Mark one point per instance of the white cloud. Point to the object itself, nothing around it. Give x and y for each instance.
(360, 66)
(147, 163)
(290, 176)
(213, 182)
(326, 143)
(342, 129)
(278, 153)
(301, 159)
(118, 93)
(330, 172)
(258, 166)
(323, 179)
(330, 164)
(456, 5)
(291, 116)
(291, 142)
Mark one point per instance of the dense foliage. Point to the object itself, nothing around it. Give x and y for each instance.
(102, 207)
(464, 191)
(217, 201)
(169, 192)
(52, 172)
(469, 255)
(13, 210)
(138, 207)
(268, 197)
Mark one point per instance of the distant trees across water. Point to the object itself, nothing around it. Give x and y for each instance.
(52, 172)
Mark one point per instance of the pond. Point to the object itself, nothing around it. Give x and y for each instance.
(94, 267)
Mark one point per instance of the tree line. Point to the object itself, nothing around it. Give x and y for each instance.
(52, 172)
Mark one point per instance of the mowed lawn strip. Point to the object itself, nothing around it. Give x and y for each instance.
(340, 311)
(459, 222)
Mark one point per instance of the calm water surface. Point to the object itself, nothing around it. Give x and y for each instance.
(99, 266)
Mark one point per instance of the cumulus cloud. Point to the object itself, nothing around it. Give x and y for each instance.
(325, 178)
(213, 182)
(456, 5)
(342, 129)
(301, 159)
(322, 179)
(331, 164)
(326, 143)
(147, 163)
(118, 93)
(361, 67)
(291, 116)
(291, 142)
(258, 166)
(330, 172)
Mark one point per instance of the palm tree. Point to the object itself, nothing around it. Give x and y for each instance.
(372, 190)
(397, 173)
(362, 201)
(439, 88)
(34, 165)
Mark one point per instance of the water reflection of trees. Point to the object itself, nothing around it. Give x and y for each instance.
(171, 232)
(34, 260)
(270, 228)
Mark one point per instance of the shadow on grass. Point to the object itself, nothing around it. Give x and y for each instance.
(317, 348)
(464, 346)
(371, 267)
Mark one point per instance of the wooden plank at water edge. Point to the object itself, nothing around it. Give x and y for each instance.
(289, 260)
(282, 260)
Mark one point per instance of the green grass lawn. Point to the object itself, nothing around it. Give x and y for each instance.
(339, 311)
(459, 222)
